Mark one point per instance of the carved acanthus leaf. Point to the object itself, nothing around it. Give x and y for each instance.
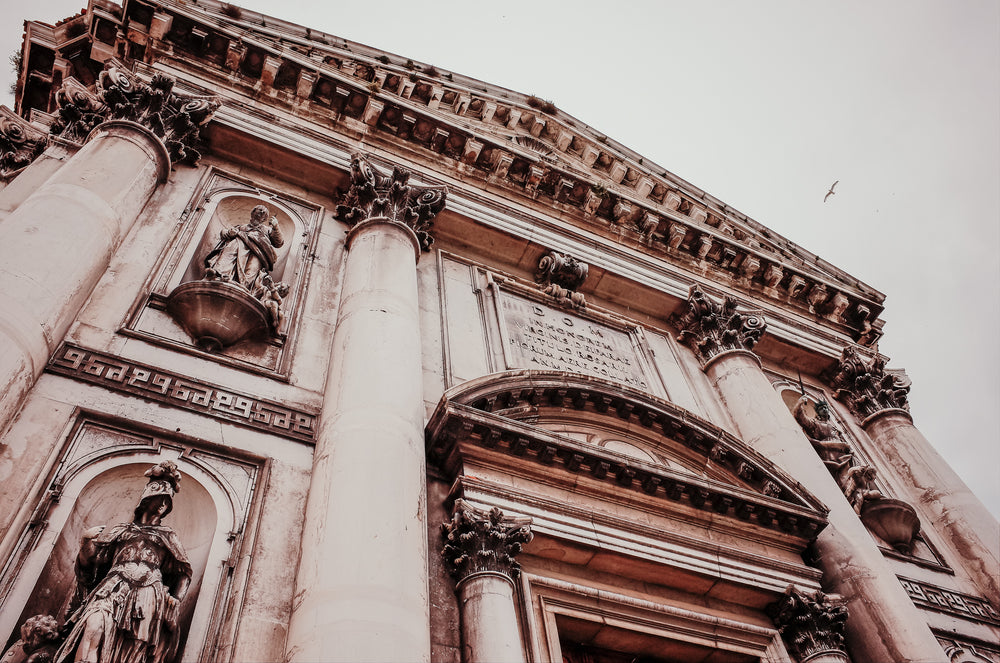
(120, 95)
(560, 275)
(479, 541)
(374, 195)
(710, 328)
(20, 143)
(810, 623)
(867, 387)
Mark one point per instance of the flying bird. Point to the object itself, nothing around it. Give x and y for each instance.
(830, 192)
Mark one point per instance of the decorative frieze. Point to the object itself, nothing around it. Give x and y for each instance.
(560, 275)
(811, 624)
(926, 595)
(174, 118)
(709, 328)
(373, 195)
(478, 541)
(161, 386)
(866, 387)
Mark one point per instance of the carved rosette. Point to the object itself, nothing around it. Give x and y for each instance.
(560, 275)
(710, 328)
(20, 143)
(174, 118)
(373, 195)
(478, 541)
(866, 387)
(812, 625)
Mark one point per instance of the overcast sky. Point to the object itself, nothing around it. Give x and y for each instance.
(764, 105)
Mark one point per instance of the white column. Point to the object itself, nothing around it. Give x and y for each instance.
(883, 622)
(480, 549)
(59, 241)
(361, 587)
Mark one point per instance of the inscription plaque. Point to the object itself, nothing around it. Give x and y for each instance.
(545, 338)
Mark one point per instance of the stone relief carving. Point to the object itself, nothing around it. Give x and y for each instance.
(38, 643)
(709, 328)
(894, 521)
(131, 579)
(20, 144)
(867, 387)
(479, 541)
(812, 625)
(236, 298)
(119, 95)
(374, 195)
(560, 275)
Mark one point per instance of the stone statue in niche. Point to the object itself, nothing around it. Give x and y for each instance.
(38, 643)
(131, 579)
(237, 298)
(824, 435)
(246, 253)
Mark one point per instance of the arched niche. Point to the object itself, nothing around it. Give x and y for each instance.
(104, 489)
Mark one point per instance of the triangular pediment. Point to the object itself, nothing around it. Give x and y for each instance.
(586, 426)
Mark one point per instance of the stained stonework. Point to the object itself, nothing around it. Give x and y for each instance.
(710, 328)
(373, 195)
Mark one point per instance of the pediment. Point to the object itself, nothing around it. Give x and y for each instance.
(635, 442)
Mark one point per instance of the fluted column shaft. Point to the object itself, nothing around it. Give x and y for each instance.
(973, 531)
(59, 241)
(883, 622)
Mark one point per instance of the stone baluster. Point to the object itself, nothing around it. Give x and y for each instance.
(361, 588)
(59, 240)
(479, 550)
(878, 398)
(884, 622)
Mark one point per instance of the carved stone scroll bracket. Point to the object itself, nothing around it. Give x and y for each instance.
(373, 195)
(866, 387)
(483, 542)
(20, 143)
(560, 275)
(710, 328)
(176, 119)
(812, 625)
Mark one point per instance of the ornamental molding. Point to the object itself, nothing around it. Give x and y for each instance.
(523, 143)
(169, 388)
(966, 606)
(560, 275)
(866, 387)
(373, 195)
(710, 328)
(487, 413)
(477, 541)
(176, 119)
(811, 624)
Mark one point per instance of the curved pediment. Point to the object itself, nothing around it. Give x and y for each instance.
(637, 442)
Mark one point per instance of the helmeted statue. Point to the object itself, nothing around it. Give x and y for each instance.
(131, 579)
(824, 435)
(244, 254)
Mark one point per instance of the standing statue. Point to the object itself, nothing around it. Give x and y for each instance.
(245, 253)
(824, 435)
(131, 579)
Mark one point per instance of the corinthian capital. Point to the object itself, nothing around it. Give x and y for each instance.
(811, 624)
(710, 328)
(174, 118)
(866, 387)
(20, 143)
(373, 195)
(478, 541)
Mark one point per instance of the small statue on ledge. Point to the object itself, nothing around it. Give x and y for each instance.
(38, 643)
(824, 435)
(859, 486)
(244, 254)
(131, 579)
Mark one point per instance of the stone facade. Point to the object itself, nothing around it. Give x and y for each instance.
(446, 376)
